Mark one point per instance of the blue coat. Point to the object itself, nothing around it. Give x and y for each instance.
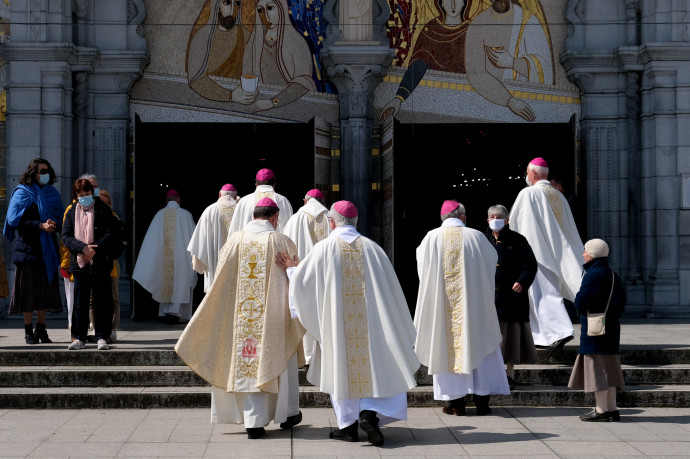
(593, 296)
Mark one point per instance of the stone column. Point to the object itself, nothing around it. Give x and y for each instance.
(356, 69)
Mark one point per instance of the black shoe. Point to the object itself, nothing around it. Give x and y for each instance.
(255, 432)
(557, 346)
(482, 404)
(511, 383)
(349, 433)
(42, 334)
(170, 319)
(369, 423)
(291, 421)
(29, 336)
(593, 416)
(614, 416)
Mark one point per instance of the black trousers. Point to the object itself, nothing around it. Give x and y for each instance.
(84, 282)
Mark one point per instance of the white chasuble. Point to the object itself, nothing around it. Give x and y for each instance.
(163, 266)
(242, 336)
(244, 212)
(210, 235)
(348, 297)
(456, 321)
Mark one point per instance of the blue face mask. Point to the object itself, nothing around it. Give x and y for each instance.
(86, 201)
(44, 179)
(96, 191)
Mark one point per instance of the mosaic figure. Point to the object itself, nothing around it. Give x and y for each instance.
(216, 46)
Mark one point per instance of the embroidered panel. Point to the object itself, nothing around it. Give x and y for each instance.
(455, 307)
(226, 214)
(249, 313)
(355, 321)
(169, 228)
(317, 227)
(555, 202)
(258, 196)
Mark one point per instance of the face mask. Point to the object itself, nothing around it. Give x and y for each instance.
(44, 179)
(528, 182)
(96, 191)
(497, 224)
(86, 201)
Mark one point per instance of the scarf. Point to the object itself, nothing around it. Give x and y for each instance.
(49, 206)
(83, 228)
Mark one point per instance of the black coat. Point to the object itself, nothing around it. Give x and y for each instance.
(105, 236)
(27, 240)
(516, 263)
(593, 296)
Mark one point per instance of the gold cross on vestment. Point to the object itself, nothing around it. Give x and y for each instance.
(357, 338)
(452, 234)
(358, 382)
(354, 294)
(350, 251)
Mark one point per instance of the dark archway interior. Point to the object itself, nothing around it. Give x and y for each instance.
(197, 159)
(477, 164)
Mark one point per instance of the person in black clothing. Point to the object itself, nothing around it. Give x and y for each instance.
(90, 236)
(34, 216)
(515, 272)
(598, 365)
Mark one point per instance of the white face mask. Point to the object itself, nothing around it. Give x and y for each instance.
(497, 224)
(528, 182)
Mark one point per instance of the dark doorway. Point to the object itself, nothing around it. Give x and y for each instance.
(477, 164)
(197, 159)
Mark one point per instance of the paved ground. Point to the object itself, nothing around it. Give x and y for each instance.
(635, 333)
(508, 432)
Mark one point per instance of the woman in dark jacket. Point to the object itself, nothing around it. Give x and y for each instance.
(515, 272)
(598, 366)
(34, 216)
(88, 234)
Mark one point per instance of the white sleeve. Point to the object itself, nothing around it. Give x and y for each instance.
(293, 311)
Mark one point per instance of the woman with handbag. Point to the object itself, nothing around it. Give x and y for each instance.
(600, 303)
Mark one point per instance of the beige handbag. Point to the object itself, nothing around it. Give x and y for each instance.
(596, 323)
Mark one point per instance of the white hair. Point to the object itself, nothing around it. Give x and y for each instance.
(339, 219)
(460, 210)
(498, 210)
(308, 197)
(89, 177)
(228, 193)
(541, 171)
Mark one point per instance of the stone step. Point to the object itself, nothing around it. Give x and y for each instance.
(57, 354)
(182, 376)
(200, 397)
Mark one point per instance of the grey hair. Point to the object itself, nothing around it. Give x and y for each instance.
(89, 177)
(498, 210)
(541, 171)
(454, 213)
(228, 193)
(307, 198)
(339, 219)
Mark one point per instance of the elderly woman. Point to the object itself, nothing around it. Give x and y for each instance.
(34, 215)
(598, 366)
(515, 272)
(88, 234)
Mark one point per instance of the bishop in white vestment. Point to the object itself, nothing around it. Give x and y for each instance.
(306, 227)
(542, 214)
(242, 339)
(348, 298)
(211, 232)
(458, 335)
(265, 182)
(164, 267)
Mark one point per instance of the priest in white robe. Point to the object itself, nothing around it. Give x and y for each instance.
(242, 339)
(164, 267)
(542, 214)
(211, 232)
(306, 227)
(265, 188)
(458, 335)
(348, 298)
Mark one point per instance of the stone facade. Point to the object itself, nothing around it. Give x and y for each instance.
(71, 68)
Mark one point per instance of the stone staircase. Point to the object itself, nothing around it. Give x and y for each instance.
(146, 378)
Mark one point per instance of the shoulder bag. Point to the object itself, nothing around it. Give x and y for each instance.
(596, 322)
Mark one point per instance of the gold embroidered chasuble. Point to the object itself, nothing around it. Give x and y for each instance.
(169, 229)
(228, 342)
(318, 227)
(226, 214)
(454, 281)
(355, 319)
(553, 196)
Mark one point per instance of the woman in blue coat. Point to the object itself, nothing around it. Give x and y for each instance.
(34, 217)
(598, 366)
